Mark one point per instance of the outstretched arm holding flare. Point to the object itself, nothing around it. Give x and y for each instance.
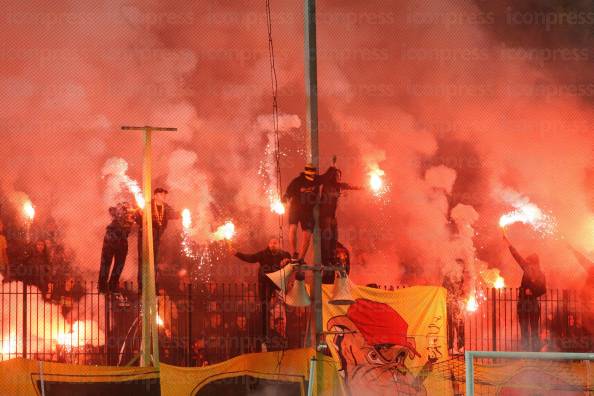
(514, 252)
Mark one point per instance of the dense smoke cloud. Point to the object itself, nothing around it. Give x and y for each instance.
(430, 92)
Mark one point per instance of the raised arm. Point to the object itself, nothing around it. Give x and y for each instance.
(583, 260)
(516, 255)
(249, 258)
(346, 186)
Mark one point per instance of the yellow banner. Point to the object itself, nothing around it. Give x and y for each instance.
(278, 373)
(24, 377)
(387, 341)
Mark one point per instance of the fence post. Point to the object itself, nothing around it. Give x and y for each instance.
(494, 317)
(189, 319)
(108, 330)
(25, 320)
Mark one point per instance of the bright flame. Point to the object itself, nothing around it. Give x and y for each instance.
(137, 192)
(278, 207)
(499, 283)
(528, 213)
(82, 333)
(493, 278)
(226, 231)
(186, 218)
(376, 181)
(29, 210)
(9, 347)
(472, 304)
(160, 321)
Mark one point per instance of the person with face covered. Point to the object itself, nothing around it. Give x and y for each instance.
(332, 188)
(533, 285)
(302, 196)
(115, 247)
(271, 259)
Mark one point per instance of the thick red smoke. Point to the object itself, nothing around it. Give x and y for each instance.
(430, 92)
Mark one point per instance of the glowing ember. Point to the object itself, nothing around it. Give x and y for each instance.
(82, 333)
(160, 321)
(9, 347)
(499, 283)
(492, 278)
(278, 207)
(377, 184)
(226, 231)
(29, 210)
(135, 190)
(186, 218)
(528, 213)
(471, 304)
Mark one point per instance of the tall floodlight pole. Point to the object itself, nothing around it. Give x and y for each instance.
(150, 335)
(311, 91)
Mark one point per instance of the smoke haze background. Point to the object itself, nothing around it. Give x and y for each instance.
(455, 101)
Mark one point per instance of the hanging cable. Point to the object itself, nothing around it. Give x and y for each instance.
(274, 84)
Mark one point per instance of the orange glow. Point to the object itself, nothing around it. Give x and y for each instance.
(471, 304)
(278, 207)
(29, 210)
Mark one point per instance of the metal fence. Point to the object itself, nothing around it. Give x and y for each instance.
(198, 324)
(207, 323)
(564, 322)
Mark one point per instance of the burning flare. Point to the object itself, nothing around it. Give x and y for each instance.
(471, 303)
(226, 231)
(186, 219)
(376, 181)
(82, 333)
(29, 210)
(528, 213)
(9, 347)
(492, 278)
(160, 321)
(277, 207)
(499, 283)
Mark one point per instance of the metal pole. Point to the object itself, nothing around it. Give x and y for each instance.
(150, 336)
(311, 90)
(468, 358)
(149, 325)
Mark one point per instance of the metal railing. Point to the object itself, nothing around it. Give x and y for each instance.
(207, 323)
(198, 324)
(495, 326)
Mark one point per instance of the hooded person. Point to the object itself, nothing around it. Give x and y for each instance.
(115, 247)
(331, 190)
(302, 195)
(533, 286)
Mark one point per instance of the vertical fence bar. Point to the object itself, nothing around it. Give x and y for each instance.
(188, 309)
(25, 320)
(494, 317)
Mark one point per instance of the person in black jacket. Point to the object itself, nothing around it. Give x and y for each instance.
(162, 214)
(271, 260)
(533, 286)
(115, 247)
(332, 188)
(302, 195)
